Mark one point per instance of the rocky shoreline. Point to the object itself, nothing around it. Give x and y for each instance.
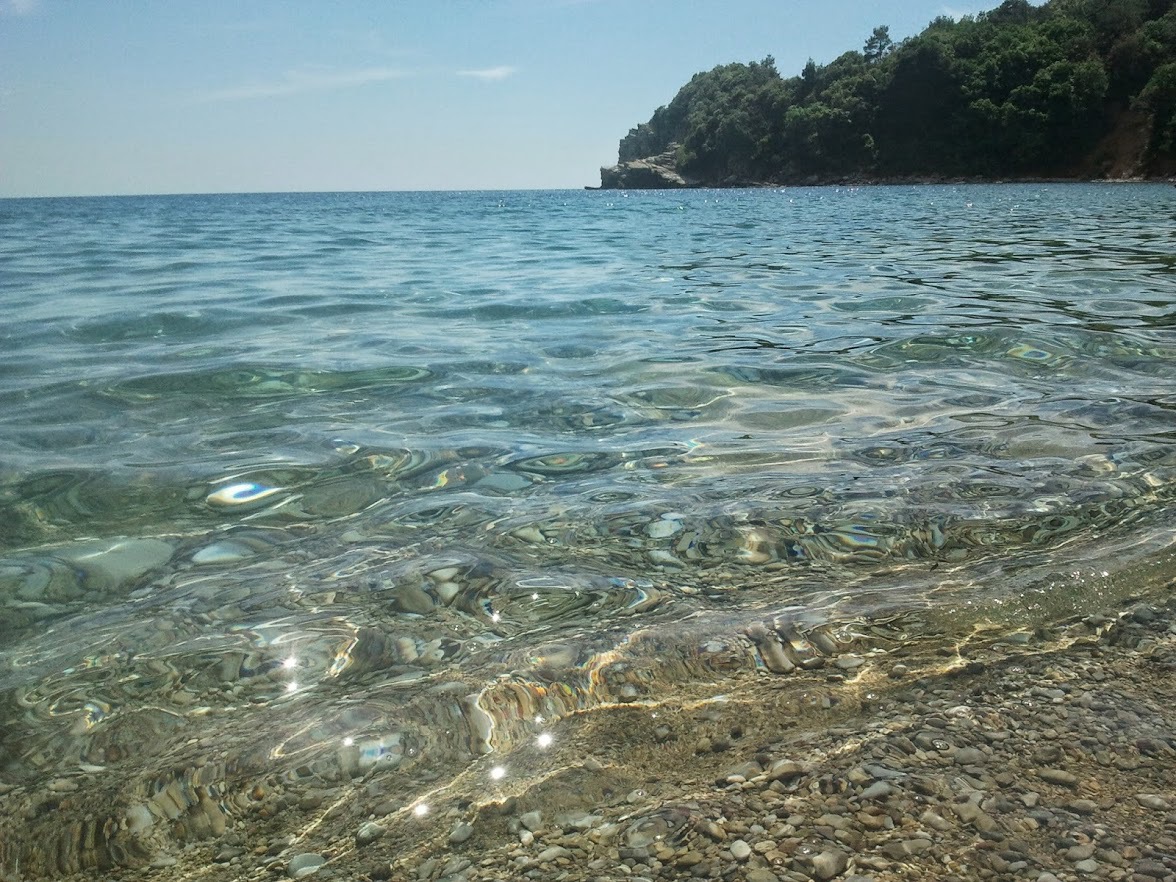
(661, 173)
(1045, 755)
(1040, 763)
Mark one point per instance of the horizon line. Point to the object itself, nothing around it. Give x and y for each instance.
(293, 192)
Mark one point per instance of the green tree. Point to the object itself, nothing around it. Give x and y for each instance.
(878, 44)
(1021, 89)
(1159, 98)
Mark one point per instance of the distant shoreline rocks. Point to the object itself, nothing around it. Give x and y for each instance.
(660, 172)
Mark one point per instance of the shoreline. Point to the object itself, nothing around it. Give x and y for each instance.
(1040, 756)
(898, 181)
(1050, 760)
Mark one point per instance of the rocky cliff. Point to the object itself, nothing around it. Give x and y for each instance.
(652, 173)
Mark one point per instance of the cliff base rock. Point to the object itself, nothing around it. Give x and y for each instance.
(652, 173)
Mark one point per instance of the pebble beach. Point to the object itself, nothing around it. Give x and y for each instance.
(1048, 757)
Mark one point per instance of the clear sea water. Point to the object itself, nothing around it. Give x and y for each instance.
(336, 484)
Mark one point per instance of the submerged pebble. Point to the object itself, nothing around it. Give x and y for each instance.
(306, 864)
(242, 494)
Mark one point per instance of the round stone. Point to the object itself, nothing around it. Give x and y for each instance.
(555, 852)
(304, 865)
(368, 833)
(970, 756)
(461, 833)
(828, 864)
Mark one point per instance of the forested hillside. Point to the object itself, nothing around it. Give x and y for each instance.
(1070, 88)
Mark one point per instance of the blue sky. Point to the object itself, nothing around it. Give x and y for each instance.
(178, 96)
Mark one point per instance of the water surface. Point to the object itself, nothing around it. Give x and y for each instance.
(334, 485)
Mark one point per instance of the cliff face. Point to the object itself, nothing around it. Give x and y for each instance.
(652, 173)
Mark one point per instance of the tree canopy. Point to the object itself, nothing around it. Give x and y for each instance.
(1019, 90)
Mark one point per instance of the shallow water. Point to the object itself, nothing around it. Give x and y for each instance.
(329, 485)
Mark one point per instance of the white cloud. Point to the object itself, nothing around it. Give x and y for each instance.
(300, 81)
(19, 7)
(489, 73)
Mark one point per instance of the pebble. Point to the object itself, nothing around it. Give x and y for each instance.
(877, 790)
(1058, 776)
(304, 865)
(971, 813)
(368, 833)
(970, 756)
(740, 850)
(828, 864)
(222, 553)
(460, 833)
(226, 854)
(1155, 869)
(936, 821)
(786, 770)
(553, 853)
(1152, 801)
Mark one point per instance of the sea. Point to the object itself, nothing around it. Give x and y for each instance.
(334, 486)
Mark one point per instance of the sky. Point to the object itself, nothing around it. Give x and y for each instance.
(105, 97)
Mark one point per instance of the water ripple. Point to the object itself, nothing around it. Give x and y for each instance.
(346, 483)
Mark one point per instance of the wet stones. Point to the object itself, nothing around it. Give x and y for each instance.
(1058, 776)
(460, 833)
(368, 833)
(786, 770)
(972, 778)
(828, 864)
(966, 756)
(1083, 807)
(553, 853)
(1153, 802)
(877, 790)
(302, 865)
